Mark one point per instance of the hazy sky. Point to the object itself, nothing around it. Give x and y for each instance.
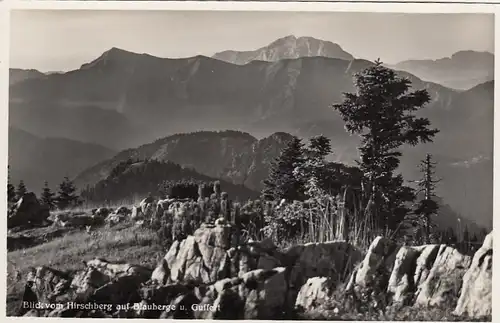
(64, 40)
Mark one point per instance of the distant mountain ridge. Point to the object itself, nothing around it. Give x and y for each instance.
(123, 99)
(35, 160)
(143, 177)
(289, 47)
(18, 75)
(135, 98)
(233, 156)
(463, 70)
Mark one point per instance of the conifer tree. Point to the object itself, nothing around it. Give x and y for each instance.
(282, 182)
(451, 237)
(381, 112)
(67, 196)
(427, 207)
(21, 190)
(466, 239)
(474, 242)
(11, 190)
(314, 170)
(47, 197)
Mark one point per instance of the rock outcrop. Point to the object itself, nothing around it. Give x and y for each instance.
(376, 267)
(43, 285)
(313, 293)
(102, 212)
(136, 214)
(442, 285)
(333, 260)
(211, 275)
(258, 294)
(202, 257)
(429, 275)
(123, 210)
(77, 221)
(146, 206)
(475, 297)
(27, 212)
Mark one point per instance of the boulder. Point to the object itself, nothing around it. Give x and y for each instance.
(102, 284)
(335, 260)
(258, 294)
(200, 258)
(43, 285)
(183, 307)
(443, 283)
(136, 214)
(146, 205)
(475, 297)
(27, 212)
(374, 271)
(429, 275)
(123, 210)
(266, 254)
(314, 292)
(162, 206)
(161, 274)
(77, 221)
(169, 295)
(114, 270)
(113, 219)
(120, 290)
(411, 269)
(140, 224)
(253, 255)
(102, 212)
(85, 282)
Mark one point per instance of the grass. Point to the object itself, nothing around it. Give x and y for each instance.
(325, 220)
(124, 242)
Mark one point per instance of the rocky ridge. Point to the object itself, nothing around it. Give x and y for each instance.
(209, 273)
(288, 47)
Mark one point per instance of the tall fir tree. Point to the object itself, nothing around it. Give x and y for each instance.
(21, 189)
(282, 182)
(67, 196)
(11, 190)
(382, 113)
(47, 197)
(427, 207)
(314, 170)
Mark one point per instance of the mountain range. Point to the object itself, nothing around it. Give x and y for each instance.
(463, 70)
(18, 75)
(35, 160)
(130, 181)
(123, 100)
(288, 47)
(233, 156)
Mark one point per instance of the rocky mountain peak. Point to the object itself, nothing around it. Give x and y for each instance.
(288, 47)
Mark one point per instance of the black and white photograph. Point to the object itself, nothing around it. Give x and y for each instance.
(243, 165)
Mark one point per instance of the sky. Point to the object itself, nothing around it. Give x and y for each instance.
(63, 40)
